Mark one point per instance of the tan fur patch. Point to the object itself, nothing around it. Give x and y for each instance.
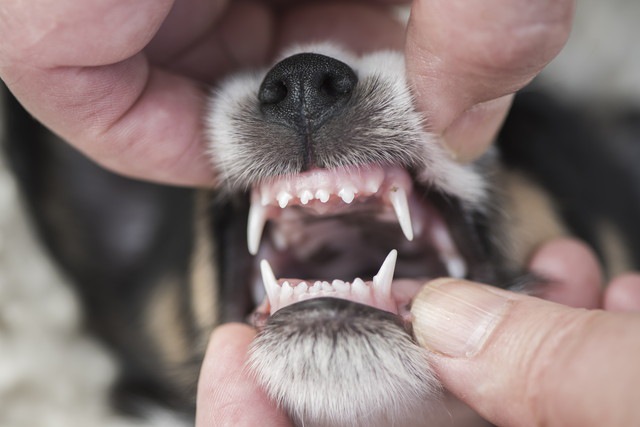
(204, 272)
(166, 322)
(531, 218)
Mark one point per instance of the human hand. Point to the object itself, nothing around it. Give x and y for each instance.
(466, 59)
(519, 360)
(125, 81)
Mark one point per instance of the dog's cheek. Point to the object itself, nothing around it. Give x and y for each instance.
(337, 363)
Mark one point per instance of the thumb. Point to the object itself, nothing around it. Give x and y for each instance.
(522, 361)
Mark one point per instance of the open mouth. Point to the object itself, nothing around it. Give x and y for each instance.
(366, 234)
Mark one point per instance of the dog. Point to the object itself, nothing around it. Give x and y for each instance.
(334, 206)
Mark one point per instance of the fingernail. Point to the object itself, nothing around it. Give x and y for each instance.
(455, 317)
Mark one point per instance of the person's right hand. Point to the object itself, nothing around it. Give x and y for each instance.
(520, 360)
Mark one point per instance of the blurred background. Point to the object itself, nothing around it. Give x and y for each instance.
(53, 374)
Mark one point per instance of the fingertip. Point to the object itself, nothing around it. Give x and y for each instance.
(573, 272)
(623, 293)
(470, 135)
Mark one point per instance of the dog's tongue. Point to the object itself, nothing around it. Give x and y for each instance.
(382, 292)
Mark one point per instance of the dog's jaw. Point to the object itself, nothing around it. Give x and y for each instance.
(327, 361)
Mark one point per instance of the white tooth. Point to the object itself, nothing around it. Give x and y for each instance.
(326, 287)
(383, 279)
(317, 284)
(347, 194)
(398, 198)
(255, 225)
(455, 264)
(360, 289)
(456, 267)
(322, 195)
(315, 288)
(305, 196)
(301, 288)
(269, 281)
(286, 293)
(283, 199)
(340, 286)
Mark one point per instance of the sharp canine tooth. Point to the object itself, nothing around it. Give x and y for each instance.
(398, 198)
(255, 225)
(270, 283)
(455, 264)
(283, 199)
(456, 267)
(322, 195)
(383, 279)
(347, 194)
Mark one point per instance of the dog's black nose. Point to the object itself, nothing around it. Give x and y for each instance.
(303, 91)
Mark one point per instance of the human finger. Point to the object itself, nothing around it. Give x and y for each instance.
(227, 394)
(102, 95)
(623, 293)
(519, 360)
(571, 272)
(465, 59)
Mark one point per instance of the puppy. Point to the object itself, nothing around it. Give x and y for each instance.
(335, 206)
(353, 206)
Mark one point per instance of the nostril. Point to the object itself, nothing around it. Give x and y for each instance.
(273, 92)
(305, 90)
(335, 85)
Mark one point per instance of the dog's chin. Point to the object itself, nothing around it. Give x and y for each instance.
(333, 362)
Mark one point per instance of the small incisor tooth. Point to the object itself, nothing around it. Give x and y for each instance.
(347, 194)
(305, 196)
(340, 286)
(286, 293)
(322, 195)
(360, 289)
(283, 199)
(300, 288)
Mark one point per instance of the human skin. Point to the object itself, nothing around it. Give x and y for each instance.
(523, 361)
